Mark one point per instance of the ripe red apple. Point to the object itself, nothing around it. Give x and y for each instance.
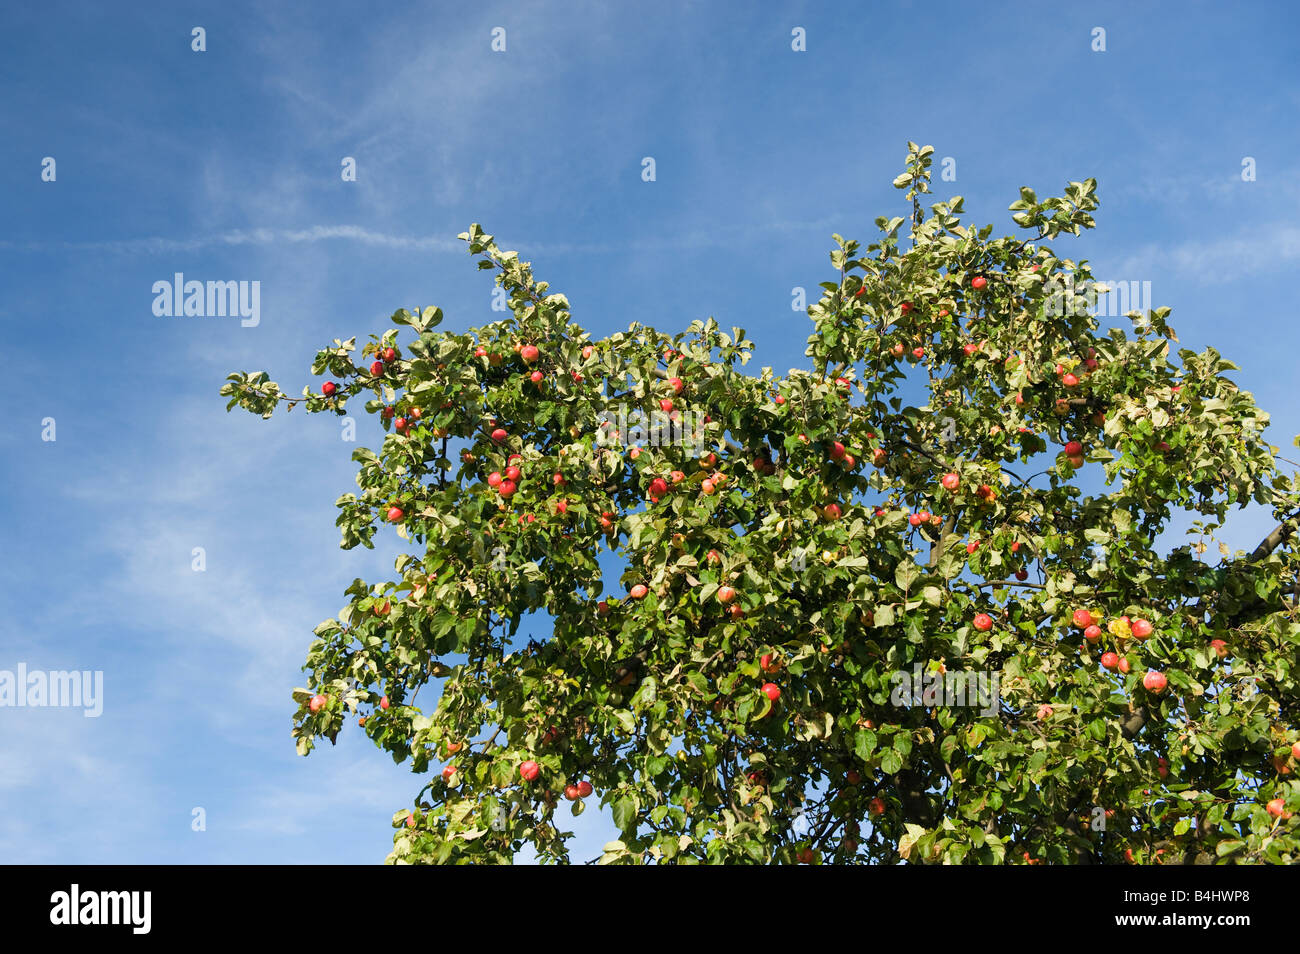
(529, 770)
(494, 479)
(394, 514)
(1277, 808)
(1073, 449)
(918, 353)
(1124, 665)
(969, 348)
(383, 703)
(584, 789)
(837, 451)
(1295, 751)
(1220, 648)
(877, 806)
(447, 772)
(1092, 633)
(906, 307)
(499, 434)
(676, 384)
(831, 511)
(772, 691)
(982, 622)
(1109, 660)
(328, 388)
(561, 506)
(950, 481)
(1070, 380)
(666, 405)
(1022, 574)
(1155, 681)
(529, 353)
(587, 352)
(537, 377)
(638, 592)
(1141, 628)
(972, 546)
(513, 473)
(1045, 712)
(914, 519)
(507, 488)
(390, 354)
(317, 702)
(572, 793)
(480, 352)
(726, 594)
(1082, 618)
(978, 282)
(842, 383)
(377, 369)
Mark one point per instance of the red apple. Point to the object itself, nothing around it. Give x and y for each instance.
(499, 434)
(529, 770)
(978, 282)
(831, 511)
(384, 703)
(950, 481)
(317, 702)
(584, 789)
(1109, 660)
(1092, 633)
(1070, 381)
(837, 451)
(852, 777)
(726, 594)
(447, 772)
(877, 806)
(982, 622)
(536, 377)
(377, 369)
(1082, 618)
(513, 473)
(1277, 808)
(390, 354)
(772, 691)
(572, 793)
(394, 514)
(494, 479)
(328, 388)
(1124, 665)
(638, 592)
(1155, 681)
(529, 353)
(1220, 648)
(507, 488)
(676, 384)
(1141, 628)
(666, 405)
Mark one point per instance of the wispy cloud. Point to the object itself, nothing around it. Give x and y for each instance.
(1218, 260)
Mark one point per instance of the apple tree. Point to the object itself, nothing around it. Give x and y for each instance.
(969, 475)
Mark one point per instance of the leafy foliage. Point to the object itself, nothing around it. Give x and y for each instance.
(950, 356)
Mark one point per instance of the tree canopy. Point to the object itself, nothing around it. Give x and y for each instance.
(969, 476)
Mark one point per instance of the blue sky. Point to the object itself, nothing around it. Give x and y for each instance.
(225, 165)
